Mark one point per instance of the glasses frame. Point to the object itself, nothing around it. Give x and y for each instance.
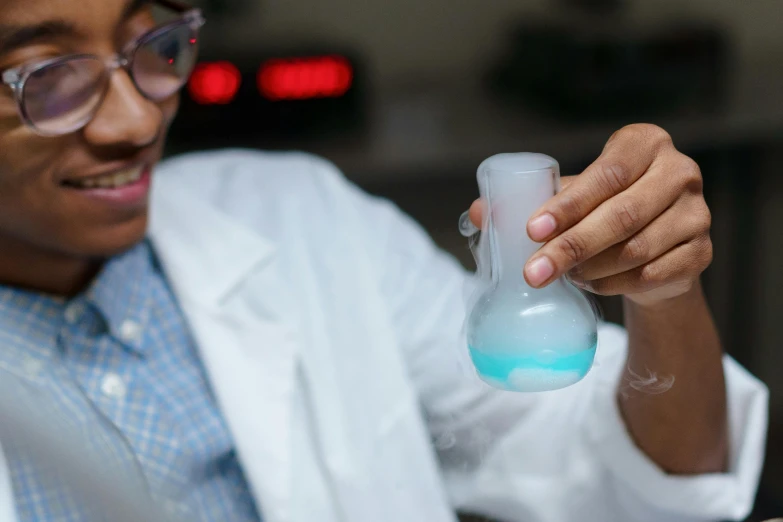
(17, 77)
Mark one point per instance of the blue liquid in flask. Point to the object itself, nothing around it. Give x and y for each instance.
(521, 338)
(546, 371)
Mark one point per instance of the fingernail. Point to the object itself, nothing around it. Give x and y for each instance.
(541, 227)
(539, 270)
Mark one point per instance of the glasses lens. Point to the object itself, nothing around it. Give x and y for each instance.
(163, 62)
(63, 96)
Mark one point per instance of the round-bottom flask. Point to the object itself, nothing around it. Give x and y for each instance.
(521, 338)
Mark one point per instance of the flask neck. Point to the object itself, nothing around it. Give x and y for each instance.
(512, 200)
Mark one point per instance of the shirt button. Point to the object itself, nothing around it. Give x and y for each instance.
(74, 312)
(130, 331)
(113, 386)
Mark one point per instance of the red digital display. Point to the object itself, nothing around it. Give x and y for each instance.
(305, 78)
(214, 83)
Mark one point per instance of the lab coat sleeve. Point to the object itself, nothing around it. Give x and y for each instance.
(555, 456)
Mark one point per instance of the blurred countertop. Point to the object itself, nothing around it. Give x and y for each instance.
(438, 129)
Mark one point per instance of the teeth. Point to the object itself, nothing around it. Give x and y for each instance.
(117, 179)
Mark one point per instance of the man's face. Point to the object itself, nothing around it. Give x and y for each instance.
(45, 203)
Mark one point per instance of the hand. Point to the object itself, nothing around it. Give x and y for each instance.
(634, 223)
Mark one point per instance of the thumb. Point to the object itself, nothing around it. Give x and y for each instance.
(476, 213)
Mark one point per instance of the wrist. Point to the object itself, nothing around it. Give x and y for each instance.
(687, 314)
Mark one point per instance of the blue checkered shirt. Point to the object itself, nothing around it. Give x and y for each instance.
(118, 364)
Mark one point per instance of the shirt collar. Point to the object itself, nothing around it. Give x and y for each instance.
(122, 294)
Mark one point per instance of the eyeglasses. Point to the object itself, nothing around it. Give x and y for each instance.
(62, 95)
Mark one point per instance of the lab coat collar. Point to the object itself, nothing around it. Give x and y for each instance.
(228, 251)
(228, 284)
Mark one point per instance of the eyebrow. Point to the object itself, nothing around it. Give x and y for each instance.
(12, 37)
(16, 36)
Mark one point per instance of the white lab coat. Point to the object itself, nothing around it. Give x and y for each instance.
(330, 327)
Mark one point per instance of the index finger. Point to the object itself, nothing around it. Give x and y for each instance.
(476, 211)
(627, 155)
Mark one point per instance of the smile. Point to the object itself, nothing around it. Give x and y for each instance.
(112, 180)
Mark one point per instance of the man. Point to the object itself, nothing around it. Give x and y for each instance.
(276, 345)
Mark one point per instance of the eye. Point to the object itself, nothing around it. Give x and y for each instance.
(166, 48)
(50, 78)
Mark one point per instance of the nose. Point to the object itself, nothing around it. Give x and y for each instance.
(126, 118)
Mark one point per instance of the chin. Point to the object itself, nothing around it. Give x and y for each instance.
(111, 241)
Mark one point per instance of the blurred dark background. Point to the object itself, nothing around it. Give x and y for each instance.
(408, 96)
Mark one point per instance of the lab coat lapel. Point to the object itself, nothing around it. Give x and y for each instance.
(225, 277)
